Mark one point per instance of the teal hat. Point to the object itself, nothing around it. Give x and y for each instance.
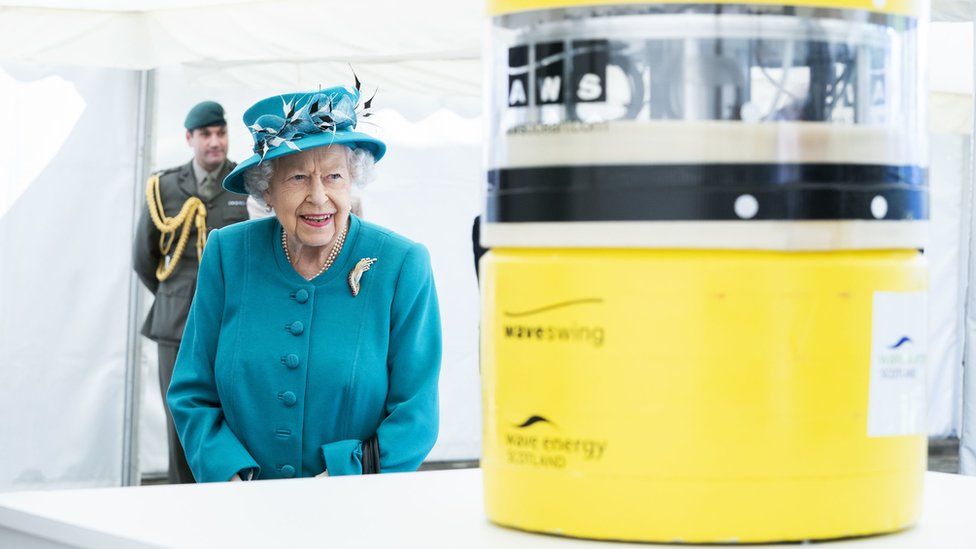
(295, 122)
(207, 113)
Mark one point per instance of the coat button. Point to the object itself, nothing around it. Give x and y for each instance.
(288, 398)
(296, 328)
(290, 360)
(288, 471)
(301, 296)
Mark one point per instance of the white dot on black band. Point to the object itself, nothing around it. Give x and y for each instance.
(879, 207)
(746, 206)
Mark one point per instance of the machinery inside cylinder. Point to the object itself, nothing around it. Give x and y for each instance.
(705, 113)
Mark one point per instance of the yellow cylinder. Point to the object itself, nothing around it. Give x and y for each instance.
(703, 396)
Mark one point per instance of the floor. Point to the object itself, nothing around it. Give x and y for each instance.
(944, 455)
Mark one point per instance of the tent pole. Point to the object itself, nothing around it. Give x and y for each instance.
(133, 361)
(967, 431)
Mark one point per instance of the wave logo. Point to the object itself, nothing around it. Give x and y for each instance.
(553, 306)
(532, 421)
(905, 340)
(901, 359)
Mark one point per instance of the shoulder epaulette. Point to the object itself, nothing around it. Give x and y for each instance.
(168, 170)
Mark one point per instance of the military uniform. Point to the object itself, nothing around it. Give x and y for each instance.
(166, 319)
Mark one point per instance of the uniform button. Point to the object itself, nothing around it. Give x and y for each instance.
(301, 296)
(296, 328)
(289, 398)
(288, 471)
(290, 360)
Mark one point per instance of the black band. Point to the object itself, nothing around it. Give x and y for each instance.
(706, 192)
(371, 456)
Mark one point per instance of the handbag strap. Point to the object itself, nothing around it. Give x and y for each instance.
(371, 456)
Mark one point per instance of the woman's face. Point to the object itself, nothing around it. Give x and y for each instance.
(310, 194)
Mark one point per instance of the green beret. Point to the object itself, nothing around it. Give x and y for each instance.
(208, 113)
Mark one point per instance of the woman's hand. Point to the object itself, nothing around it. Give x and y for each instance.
(235, 478)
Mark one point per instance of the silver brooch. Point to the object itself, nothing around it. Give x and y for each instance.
(357, 273)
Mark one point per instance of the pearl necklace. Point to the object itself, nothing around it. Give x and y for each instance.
(336, 248)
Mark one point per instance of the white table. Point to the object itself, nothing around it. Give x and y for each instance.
(429, 510)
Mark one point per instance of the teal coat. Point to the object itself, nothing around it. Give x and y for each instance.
(282, 377)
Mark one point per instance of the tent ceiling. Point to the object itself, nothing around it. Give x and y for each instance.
(952, 10)
(121, 5)
(142, 34)
(153, 33)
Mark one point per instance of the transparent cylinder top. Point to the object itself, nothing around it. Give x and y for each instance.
(706, 125)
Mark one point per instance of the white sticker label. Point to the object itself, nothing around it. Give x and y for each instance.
(896, 403)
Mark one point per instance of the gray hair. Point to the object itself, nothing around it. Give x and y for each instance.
(361, 171)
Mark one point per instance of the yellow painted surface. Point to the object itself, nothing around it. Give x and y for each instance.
(895, 7)
(696, 396)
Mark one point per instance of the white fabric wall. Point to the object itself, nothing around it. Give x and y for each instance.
(65, 229)
(427, 188)
(950, 110)
(949, 173)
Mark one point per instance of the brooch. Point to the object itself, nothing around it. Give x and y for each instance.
(357, 273)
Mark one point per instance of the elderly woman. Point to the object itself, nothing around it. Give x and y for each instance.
(313, 344)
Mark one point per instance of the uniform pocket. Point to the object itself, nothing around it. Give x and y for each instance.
(169, 315)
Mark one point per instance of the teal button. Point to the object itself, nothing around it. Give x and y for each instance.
(296, 328)
(301, 296)
(290, 360)
(288, 471)
(289, 398)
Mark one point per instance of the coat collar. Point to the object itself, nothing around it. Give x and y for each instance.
(339, 269)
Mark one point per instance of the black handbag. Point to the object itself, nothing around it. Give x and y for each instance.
(371, 456)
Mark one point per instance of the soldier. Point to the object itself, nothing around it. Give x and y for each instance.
(184, 204)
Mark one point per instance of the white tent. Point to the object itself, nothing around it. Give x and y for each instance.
(94, 93)
(115, 80)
